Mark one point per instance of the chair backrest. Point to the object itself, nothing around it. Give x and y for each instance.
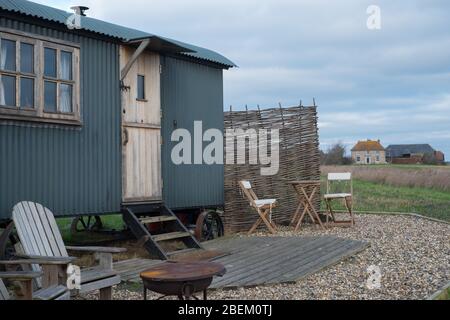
(4, 295)
(337, 177)
(246, 188)
(342, 176)
(37, 230)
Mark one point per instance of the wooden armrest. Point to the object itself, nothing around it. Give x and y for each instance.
(97, 249)
(20, 275)
(32, 259)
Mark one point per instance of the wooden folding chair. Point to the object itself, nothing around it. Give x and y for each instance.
(347, 197)
(262, 206)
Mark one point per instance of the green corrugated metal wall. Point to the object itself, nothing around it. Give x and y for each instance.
(70, 170)
(190, 92)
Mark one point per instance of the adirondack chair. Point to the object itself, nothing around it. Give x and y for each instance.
(262, 206)
(26, 278)
(40, 237)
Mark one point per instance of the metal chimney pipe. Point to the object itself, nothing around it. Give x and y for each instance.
(80, 10)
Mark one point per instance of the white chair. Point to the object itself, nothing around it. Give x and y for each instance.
(262, 206)
(347, 197)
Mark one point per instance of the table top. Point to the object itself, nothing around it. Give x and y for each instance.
(305, 182)
(183, 271)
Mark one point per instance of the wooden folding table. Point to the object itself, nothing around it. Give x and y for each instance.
(306, 190)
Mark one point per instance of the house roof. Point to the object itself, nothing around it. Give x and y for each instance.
(398, 150)
(104, 28)
(368, 145)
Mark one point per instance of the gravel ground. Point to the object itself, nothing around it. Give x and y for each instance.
(412, 253)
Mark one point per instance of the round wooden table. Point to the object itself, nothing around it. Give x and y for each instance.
(181, 279)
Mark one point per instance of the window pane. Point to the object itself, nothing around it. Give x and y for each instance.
(141, 88)
(26, 92)
(8, 91)
(8, 55)
(65, 98)
(50, 62)
(50, 96)
(66, 65)
(26, 58)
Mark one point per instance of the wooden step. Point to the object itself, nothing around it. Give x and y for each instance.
(157, 219)
(171, 236)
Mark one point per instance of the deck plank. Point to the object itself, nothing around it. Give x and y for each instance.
(257, 261)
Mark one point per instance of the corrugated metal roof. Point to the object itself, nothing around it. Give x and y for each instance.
(105, 28)
(399, 150)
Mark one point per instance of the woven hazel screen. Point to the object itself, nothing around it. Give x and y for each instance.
(299, 159)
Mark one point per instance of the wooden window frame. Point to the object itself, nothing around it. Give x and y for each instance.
(37, 113)
(137, 88)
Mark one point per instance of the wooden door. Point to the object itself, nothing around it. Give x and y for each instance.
(141, 127)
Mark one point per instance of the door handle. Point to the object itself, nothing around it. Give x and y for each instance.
(125, 136)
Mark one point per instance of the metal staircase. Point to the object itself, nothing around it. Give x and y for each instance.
(139, 217)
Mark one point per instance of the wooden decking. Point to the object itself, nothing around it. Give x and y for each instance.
(129, 270)
(254, 261)
(264, 261)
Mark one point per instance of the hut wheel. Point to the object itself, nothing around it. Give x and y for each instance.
(86, 223)
(209, 226)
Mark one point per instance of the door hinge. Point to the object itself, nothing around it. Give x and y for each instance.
(160, 69)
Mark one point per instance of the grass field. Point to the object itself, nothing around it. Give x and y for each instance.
(374, 197)
(392, 189)
(417, 189)
(110, 222)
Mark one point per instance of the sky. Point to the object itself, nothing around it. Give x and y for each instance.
(391, 84)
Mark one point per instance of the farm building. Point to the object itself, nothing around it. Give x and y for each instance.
(413, 154)
(369, 152)
(87, 113)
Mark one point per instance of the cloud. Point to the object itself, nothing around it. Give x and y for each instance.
(392, 84)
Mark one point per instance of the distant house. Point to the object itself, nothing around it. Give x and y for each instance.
(413, 154)
(369, 152)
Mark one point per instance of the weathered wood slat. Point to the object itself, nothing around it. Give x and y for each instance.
(173, 254)
(105, 283)
(97, 249)
(88, 276)
(64, 297)
(171, 236)
(4, 294)
(130, 270)
(51, 293)
(157, 219)
(284, 265)
(137, 268)
(48, 231)
(297, 263)
(41, 236)
(253, 255)
(334, 257)
(273, 261)
(54, 227)
(294, 261)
